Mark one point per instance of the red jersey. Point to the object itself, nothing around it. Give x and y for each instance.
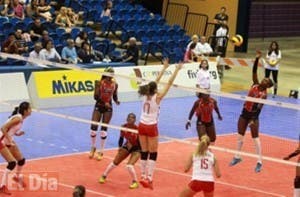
(255, 93)
(132, 138)
(107, 90)
(205, 110)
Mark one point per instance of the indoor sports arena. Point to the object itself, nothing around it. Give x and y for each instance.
(150, 98)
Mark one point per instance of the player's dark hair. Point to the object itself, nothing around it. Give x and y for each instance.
(21, 108)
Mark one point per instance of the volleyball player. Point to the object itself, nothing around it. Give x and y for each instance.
(297, 178)
(250, 114)
(106, 90)
(130, 147)
(8, 147)
(204, 163)
(148, 131)
(204, 107)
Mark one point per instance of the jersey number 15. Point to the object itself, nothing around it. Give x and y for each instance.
(204, 163)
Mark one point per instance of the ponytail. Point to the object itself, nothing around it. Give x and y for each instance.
(21, 108)
(148, 89)
(202, 146)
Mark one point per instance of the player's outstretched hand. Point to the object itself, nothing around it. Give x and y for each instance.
(187, 125)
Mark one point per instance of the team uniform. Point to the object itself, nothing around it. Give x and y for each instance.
(11, 132)
(202, 176)
(251, 110)
(149, 117)
(132, 139)
(106, 92)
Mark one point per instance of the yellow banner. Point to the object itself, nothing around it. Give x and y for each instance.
(64, 83)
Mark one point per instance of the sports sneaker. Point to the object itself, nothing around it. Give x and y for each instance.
(144, 182)
(258, 167)
(133, 185)
(99, 156)
(4, 190)
(20, 181)
(92, 152)
(235, 161)
(102, 179)
(147, 183)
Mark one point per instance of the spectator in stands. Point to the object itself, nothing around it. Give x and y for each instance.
(18, 10)
(62, 19)
(10, 45)
(195, 39)
(45, 38)
(132, 52)
(43, 10)
(36, 30)
(5, 4)
(22, 35)
(74, 18)
(222, 39)
(35, 53)
(31, 9)
(88, 55)
(49, 53)
(81, 38)
(57, 4)
(69, 53)
(189, 55)
(204, 47)
(220, 18)
(107, 9)
(21, 41)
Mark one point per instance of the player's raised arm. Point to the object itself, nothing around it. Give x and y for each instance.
(254, 68)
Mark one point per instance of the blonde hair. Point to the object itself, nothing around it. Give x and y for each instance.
(202, 146)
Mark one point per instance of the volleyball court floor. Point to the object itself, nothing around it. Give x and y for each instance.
(57, 149)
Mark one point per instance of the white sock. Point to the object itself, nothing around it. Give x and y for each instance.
(258, 148)
(297, 192)
(131, 171)
(151, 166)
(5, 177)
(144, 168)
(18, 170)
(93, 139)
(239, 145)
(109, 168)
(102, 141)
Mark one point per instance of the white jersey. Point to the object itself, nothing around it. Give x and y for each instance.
(203, 79)
(203, 167)
(12, 130)
(273, 57)
(150, 110)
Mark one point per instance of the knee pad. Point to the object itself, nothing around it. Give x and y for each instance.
(11, 165)
(94, 127)
(93, 133)
(103, 135)
(21, 162)
(153, 156)
(144, 155)
(297, 182)
(103, 128)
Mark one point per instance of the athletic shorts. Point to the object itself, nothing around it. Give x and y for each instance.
(102, 109)
(148, 130)
(206, 124)
(248, 115)
(198, 186)
(133, 149)
(2, 145)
